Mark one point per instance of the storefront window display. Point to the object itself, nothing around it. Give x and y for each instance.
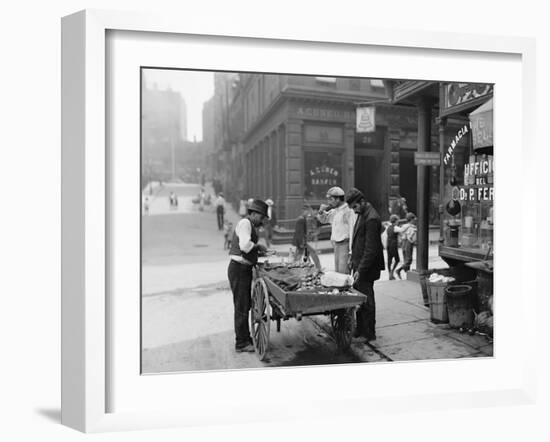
(468, 190)
(322, 170)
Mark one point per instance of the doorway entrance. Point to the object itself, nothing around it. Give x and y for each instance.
(371, 179)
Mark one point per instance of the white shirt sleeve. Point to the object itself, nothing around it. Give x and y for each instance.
(326, 217)
(244, 233)
(400, 229)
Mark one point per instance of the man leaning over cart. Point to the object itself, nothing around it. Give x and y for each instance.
(366, 260)
(243, 256)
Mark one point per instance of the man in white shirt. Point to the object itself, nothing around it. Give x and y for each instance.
(341, 219)
(243, 255)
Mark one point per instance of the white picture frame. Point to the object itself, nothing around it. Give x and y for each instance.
(86, 354)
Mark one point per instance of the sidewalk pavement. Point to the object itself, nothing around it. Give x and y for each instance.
(404, 331)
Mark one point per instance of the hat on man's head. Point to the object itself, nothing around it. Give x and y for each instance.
(335, 191)
(258, 206)
(269, 202)
(354, 195)
(410, 216)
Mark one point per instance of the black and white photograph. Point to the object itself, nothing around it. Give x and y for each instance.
(299, 220)
(229, 220)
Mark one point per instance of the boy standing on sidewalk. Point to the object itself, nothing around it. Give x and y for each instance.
(392, 245)
(408, 234)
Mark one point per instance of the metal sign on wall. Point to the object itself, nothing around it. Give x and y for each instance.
(366, 119)
(455, 97)
(427, 158)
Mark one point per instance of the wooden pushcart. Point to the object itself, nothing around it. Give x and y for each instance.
(271, 302)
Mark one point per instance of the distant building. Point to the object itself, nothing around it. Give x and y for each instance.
(227, 132)
(208, 134)
(299, 138)
(164, 127)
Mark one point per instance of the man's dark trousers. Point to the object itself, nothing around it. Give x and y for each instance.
(366, 313)
(219, 213)
(240, 280)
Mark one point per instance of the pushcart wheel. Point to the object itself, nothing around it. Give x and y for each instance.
(342, 326)
(260, 317)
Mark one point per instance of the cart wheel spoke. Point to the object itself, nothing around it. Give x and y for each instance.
(342, 324)
(260, 317)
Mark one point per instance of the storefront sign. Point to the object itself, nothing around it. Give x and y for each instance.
(323, 114)
(457, 94)
(478, 179)
(450, 150)
(482, 130)
(366, 119)
(477, 193)
(482, 125)
(324, 176)
(322, 170)
(479, 171)
(427, 159)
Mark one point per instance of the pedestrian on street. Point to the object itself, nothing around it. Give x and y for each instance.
(299, 239)
(220, 210)
(201, 199)
(243, 256)
(366, 260)
(408, 241)
(340, 217)
(173, 200)
(392, 245)
(271, 222)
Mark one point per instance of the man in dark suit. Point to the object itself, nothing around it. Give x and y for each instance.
(366, 260)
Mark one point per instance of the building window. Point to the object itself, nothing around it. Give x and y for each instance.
(323, 134)
(377, 83)
(322, 170)
(326, 81)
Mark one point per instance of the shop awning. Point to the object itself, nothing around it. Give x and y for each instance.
(481, 120)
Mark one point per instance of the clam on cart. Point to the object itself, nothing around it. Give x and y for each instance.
(283, 291)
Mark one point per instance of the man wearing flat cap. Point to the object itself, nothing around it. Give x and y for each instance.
(366, 260)
(341, 218)
(243, 256)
